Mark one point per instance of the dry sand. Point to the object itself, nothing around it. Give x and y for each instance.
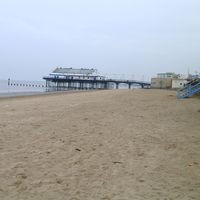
(105, 145)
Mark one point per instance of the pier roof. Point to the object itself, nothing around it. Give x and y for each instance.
(75, 71)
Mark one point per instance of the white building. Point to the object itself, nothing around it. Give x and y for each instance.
(179, 83)
(167, 75)
(80, 74)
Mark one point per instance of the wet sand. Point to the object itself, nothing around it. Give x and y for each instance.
(104, 145)
(26, 94)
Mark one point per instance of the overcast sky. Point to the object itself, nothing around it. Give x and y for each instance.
(140, 37)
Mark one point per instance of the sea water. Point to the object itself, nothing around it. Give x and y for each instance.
(16, 86)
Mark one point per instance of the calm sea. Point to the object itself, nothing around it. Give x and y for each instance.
(15, 86)
(18, 88)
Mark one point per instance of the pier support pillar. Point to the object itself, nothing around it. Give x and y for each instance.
(117, 85)
(129, 86)
(92, 86)
(57, 86)
(81, 85)
(106, 85)
(69, 85)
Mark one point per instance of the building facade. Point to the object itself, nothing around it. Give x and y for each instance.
(179, 83)
(161, 83)
(72, 73)
(168, 80)
(167, 75)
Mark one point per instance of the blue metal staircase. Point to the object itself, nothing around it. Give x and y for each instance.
(190, 89)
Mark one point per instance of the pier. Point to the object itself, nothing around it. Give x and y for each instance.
(91, 84)
(70, 78)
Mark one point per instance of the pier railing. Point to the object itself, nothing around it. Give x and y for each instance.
(95, 82)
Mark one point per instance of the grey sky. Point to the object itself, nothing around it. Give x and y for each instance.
(140, 37)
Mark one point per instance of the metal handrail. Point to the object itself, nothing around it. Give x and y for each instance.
(189, 90)
(107, 79)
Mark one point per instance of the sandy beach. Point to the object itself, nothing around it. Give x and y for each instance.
(104, 145)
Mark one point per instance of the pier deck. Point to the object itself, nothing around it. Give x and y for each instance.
(93, 84)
